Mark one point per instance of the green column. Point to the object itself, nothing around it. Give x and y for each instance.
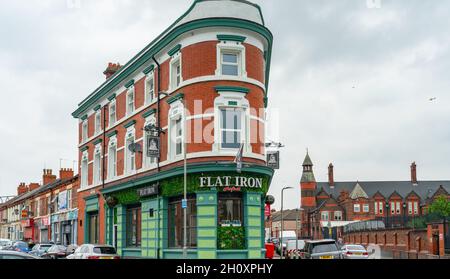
(150, 229)
(121, 228)
(108, 224)
(163, 204)
(252, 214)
(207, 225)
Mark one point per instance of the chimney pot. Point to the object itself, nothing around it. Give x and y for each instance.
(414, 173)
(331, 175)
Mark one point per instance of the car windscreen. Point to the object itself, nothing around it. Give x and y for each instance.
(324, 247)
(56, 248)
(355, 248)
(4, 243)
(294, 245)
(105, 250)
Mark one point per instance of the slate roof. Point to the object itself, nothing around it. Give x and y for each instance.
(288, 215)
(38, 190)
(425, 189)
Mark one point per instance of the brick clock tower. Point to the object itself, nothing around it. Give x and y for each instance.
(308, 188)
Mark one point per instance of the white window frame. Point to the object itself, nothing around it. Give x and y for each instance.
(150, 90)
(366, 208)
(393, 208)
(416, 208)
(130, 157)
(357, 208)
(376, 208)
(338, 214)
(147, 162)
(98, 122)
(380, 208)
(325, 216)
(175, 60)
(69, 199)
(232, 47)
(111, 105)
(176, 112)
(112, 166)
(130, 92)
(222, 102)
(97, 167)
(84, 130)
(84, 170)
(398, 210)
(410, 207)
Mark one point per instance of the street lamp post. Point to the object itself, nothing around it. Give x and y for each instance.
(185, 182)
(296, 232)
(282, 221)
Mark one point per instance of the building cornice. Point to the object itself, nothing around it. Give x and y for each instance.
(161, 42)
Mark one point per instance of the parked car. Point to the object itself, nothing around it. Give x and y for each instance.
(14, 255)
(20, 246)
(94, 252)
(4, 243)
(40, 249)
(322, 249)
(287, 235)
(56, 252)
(354, 252)
(295, 248)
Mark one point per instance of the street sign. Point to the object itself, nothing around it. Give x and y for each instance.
(183, 203)
(273, 160)
(153, 144)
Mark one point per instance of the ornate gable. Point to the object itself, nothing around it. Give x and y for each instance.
(358, 192)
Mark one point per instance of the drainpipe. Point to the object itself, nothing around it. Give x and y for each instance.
(158, 101)
(104, 146)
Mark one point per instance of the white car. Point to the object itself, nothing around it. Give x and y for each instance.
(5, 243)
(354, 252)
(294, 249)
(94, 252)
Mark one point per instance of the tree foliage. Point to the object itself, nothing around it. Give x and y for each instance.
(441, 206)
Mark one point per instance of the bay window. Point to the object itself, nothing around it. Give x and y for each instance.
(176, 219)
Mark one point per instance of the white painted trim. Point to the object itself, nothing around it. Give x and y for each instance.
(235, 47)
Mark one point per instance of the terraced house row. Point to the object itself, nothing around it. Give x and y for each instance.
(43, 212)
(196, 94)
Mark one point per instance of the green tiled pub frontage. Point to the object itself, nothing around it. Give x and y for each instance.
(144, 218)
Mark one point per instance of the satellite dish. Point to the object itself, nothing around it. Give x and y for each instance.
(135, 147)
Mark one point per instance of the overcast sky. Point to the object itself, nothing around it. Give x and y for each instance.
(351, 82)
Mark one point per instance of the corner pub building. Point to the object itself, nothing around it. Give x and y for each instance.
(203, 79)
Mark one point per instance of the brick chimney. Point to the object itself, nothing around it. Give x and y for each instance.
(48, 177)
(33, 186)
(414, 173)
(22, 189)
(331, 175)
(111, 69)
(65, 174)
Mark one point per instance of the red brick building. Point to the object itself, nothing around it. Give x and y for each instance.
(335, 204)
(209, 71)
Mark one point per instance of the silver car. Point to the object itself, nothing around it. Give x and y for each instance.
(5, 243)
(14, 255)
(354, 252)
(94, 252)
(326, 249)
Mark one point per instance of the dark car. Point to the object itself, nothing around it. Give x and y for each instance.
(56, 252)
(322, 249)
(40, 249)
(14, 255)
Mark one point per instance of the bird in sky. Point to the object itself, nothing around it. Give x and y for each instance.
(432, 99)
